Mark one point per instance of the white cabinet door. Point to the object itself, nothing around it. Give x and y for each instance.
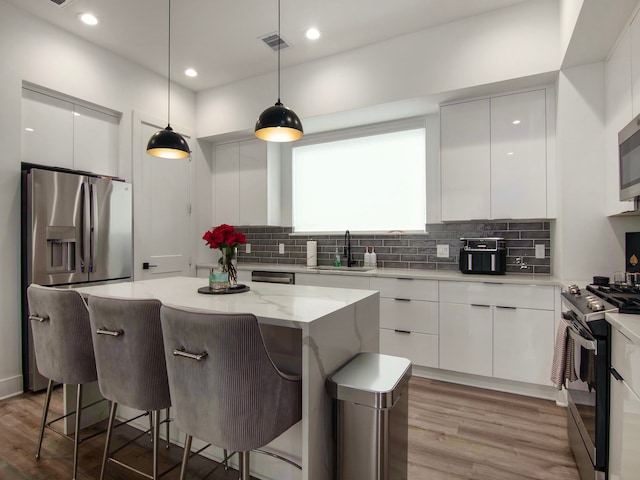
(227, 183)
(253, 197)
(523, 342)
(618, 113)
(465, 160)
(466, 339)
(420, 348)
(95, 141)
(634, 53)
(47, 130)
(624, 461)
(519, 156)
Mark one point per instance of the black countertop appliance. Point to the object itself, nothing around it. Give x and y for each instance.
(483, 255)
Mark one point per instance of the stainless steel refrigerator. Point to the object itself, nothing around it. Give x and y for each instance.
(76, 229)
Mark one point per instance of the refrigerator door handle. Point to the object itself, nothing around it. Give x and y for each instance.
(83, 225)
(93, 226)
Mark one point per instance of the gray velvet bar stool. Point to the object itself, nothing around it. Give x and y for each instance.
(225, 389)
(127, 340)
(64, 352)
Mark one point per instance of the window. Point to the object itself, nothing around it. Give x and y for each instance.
(372, 183)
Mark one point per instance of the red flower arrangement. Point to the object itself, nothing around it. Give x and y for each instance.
(226, 239)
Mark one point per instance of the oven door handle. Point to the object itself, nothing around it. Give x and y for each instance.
(587, 344)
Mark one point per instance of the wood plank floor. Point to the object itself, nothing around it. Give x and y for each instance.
(455, 432)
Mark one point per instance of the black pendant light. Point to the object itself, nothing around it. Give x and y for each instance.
(278, 123)
(167, 143)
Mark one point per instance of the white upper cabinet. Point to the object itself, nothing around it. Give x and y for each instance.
(491, 167)
(95, 141)
(227, 183)
(59, 133)
(247, 184)
(634, 44)
(465, 157)
(518, 156)
(47, 130)
(619, 110)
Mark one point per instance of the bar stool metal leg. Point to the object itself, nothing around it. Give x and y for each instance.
(76, 440)
(45, 411)
(244, 466)
(156, 440)
(185, 456)
(167, 426)
(112, 416)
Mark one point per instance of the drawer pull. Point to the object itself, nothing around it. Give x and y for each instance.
(616, 375)
(404, 278)
(502, 306)
(403, 299)
(402, 331)
(480, 305)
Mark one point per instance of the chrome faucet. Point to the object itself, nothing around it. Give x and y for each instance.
(347, 249)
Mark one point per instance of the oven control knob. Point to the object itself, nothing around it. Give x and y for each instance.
(574, 290)
(595, 304)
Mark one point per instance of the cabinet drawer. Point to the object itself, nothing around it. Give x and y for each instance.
(540, 297)
(411, 315)
(408, 288)
(625, 358)
(338, 280)
(420, 348)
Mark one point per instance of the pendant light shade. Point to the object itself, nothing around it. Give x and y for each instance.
(279, 123)
(167, 143)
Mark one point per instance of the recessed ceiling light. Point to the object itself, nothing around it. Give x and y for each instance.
(29, 129)
(313, 34)
(516, 122)
(509, 153)
(191, 72)
(88, 18)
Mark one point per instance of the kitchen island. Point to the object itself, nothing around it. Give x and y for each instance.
(330, 325)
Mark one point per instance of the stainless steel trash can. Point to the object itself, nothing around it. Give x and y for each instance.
(371, 406)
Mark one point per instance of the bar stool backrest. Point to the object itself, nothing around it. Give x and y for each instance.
(127, 339)
(61, 335)
(228, 393)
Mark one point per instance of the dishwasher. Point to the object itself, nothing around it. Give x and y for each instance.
(287, 278)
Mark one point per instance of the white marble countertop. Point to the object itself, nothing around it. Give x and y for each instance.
(289, 305)
(628, 324)
(454, 275)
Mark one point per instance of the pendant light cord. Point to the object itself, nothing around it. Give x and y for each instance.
(279, 48)
(169, 70)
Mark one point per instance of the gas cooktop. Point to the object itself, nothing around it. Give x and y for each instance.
(625, 297)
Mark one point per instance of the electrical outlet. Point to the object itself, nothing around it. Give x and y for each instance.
(281, 248)
(540, 250)
(443, 251)
(247, 248)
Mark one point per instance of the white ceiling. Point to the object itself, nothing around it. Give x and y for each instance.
(220, 38)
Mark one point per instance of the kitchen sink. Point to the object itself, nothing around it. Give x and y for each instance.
(344, 268)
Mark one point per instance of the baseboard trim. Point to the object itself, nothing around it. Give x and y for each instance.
(508, 386)
(10, 387)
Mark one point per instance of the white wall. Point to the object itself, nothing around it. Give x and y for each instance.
(34, 51)
(569, 13)
(504, 44)
(588, 242)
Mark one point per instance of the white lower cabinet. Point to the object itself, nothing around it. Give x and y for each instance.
(497, 330)
(466, 339)
(420, 348)
(523, 341)
(624, 430)
(338, 281)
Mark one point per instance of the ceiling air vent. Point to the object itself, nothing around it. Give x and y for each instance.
(274, 41)
(63, 3)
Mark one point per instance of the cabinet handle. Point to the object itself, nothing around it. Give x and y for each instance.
(503, 306)
(493, 283)
(402, 299)
(404, 278)
(479, 305)
(402, 331)
(616, 375)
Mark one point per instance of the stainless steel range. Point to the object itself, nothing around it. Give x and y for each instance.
(588, 394)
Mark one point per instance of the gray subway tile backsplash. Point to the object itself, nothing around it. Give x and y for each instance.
(404, 251)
